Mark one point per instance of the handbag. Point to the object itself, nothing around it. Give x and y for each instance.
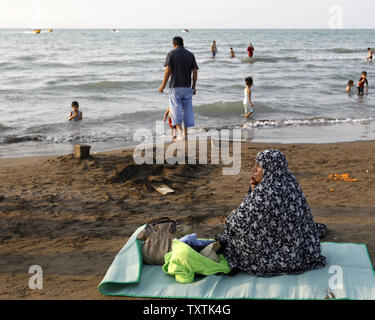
(157, 240)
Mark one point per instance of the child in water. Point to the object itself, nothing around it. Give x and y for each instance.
(173, 128)
(232, 55)
(369, 58)
(362, 82)
(75, 114)
(349, 86)
(247, 103)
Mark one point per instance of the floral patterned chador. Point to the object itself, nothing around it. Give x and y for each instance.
(272, 232)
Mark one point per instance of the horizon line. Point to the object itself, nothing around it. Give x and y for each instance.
(193, 28)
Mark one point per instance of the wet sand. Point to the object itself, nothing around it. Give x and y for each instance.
(72, 216)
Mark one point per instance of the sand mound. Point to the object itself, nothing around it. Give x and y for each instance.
(146, 176)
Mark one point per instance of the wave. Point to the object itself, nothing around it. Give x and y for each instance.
(332, 58)
(314, 66)
(106, 63)
(70, 138)
(225, 109)
(17, 139)
(3, 128)
(5, 64)
(300, 59)
(220, 109)
(233, 109)
(219, 60)
(302, 122)
(107, 85)
(119, 63)
(228, 61)
(55, 65)
(344, 50)
(122, 136)
(269, 59)
(27, 58)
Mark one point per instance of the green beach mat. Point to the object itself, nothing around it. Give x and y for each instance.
(349, 274)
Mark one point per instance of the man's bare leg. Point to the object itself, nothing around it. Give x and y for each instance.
(180, 135)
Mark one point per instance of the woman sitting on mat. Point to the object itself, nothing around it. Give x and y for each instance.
(272, 232)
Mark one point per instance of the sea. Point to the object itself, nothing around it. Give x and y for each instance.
(299, 94)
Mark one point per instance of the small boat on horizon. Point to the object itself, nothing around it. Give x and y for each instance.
(49, 30)
(185, 30)
(37, 30)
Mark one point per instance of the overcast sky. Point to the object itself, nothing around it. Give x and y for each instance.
(187, 14)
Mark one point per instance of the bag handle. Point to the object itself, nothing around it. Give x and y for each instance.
(163, 220)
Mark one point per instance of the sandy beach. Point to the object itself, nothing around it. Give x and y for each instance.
(72, 216)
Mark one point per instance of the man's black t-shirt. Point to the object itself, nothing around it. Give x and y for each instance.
(182, 63)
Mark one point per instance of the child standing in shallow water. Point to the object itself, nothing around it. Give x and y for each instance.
(362, 82)
(173, 128)
(75, 114)
(247, 103)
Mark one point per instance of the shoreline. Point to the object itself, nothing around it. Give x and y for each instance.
(302, 134)
(73, 216)
(116, 149)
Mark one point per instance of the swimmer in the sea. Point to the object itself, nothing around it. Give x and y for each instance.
(349, 86)
(369, 58)
(250, 50)
(75, 114)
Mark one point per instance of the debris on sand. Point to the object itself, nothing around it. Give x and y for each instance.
(343, 177)
(163, 189)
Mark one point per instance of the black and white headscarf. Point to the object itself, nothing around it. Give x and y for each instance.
(272, 231)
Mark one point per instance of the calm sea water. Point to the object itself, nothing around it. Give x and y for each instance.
(299, 85)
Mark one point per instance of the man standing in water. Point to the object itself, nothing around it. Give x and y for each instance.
(179, 65)
(214, 50)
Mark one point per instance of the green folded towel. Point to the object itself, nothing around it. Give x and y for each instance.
(183, 262)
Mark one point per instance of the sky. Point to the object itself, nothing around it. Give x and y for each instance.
(189, 14)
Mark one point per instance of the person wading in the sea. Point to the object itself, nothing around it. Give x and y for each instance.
(179, 65)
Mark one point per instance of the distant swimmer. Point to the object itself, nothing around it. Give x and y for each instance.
(247, 103)
(361, 83)
(250, 50)
(369, 58)
(349, 86)
(214, 50)
(232, 55)
(75, 114)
